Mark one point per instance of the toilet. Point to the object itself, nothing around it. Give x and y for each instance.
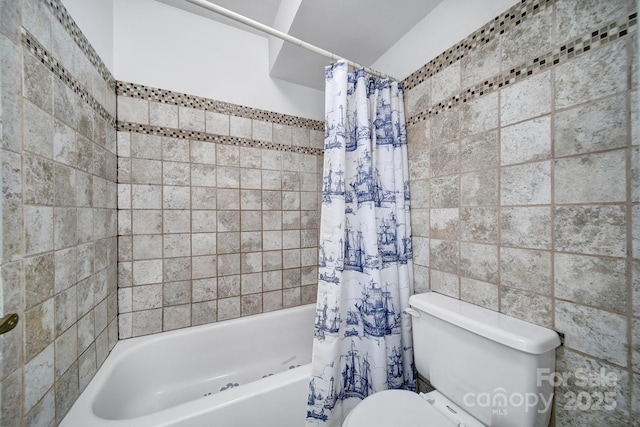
(488, 369)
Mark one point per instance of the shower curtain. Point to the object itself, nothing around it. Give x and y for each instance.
(362, 341)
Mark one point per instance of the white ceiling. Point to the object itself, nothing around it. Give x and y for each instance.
(359, 30)
(263, 11)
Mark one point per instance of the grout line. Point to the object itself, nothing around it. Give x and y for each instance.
(629, 212)
(552, 198)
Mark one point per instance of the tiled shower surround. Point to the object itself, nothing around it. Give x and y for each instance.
(218, 210)
(525, 177)
(524, 163)
(59, 248)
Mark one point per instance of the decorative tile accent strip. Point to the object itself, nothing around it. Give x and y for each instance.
(210, 137)
(30, 43)
(61, 14)
(133, 90)
(500, 24)
(592, 40)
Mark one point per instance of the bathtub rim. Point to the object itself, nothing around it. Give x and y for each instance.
(127, 344)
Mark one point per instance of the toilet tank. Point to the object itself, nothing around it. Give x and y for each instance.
(494, 366)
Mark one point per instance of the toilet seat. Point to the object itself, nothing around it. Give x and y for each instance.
(396, 408)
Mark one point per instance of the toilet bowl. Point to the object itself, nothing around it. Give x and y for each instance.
(479, 361)
(406, 408)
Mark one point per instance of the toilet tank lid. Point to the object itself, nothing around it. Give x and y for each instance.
(506, 330)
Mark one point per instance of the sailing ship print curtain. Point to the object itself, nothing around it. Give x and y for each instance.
(362, 341)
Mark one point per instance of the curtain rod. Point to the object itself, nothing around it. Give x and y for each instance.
(281, 35)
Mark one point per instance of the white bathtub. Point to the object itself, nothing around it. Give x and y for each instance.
(188, 377)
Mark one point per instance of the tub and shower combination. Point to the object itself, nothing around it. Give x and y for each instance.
(248, 371)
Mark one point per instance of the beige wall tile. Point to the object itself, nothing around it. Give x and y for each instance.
(592, 127)
(573, 19)
(599, 333)
(445, 283)
(479, 115)
(602, 177)
(164, 115)
(598, 282)
(445, 84)
(526, 99)
(191, 119)
(418, 99)
(528, 184)
(479, 293)
(589, 77)
(479, 151)
(525, 142)
(526, 269)
(597, 230)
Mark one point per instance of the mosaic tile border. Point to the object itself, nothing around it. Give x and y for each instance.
(45, 57)
(513, 17)
(210, 137)
(147, 93)
(592, 40)
(62, 15)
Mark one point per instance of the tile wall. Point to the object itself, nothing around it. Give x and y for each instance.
(525, 176)
(218, 210)
(59, 217)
